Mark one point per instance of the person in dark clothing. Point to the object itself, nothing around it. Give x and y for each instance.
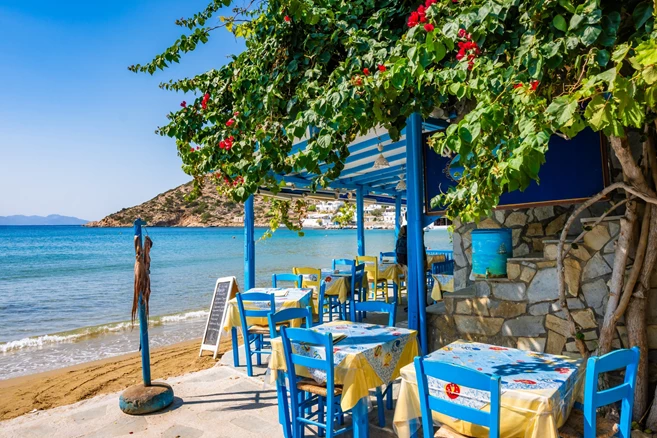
(401, 248)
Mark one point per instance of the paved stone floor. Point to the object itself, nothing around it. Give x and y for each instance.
(219, 402)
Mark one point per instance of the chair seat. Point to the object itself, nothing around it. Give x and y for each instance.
(448, 432)
(574, 427)
(317, 389)
(262, 330)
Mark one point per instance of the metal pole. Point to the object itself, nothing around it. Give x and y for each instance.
(398, 205)
(249, 244)
(143, 324)
(360, 220)
(414, 211)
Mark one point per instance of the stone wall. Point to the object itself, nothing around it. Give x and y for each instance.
(523, 311)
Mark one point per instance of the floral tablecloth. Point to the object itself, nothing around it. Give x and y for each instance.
(337, 284)
(295, 298)
(370, 356)
(538, 390)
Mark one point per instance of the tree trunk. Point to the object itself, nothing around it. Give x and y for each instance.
(617, 277)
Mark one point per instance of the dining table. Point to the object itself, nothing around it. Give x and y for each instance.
(538, 390)
(366, 356)
(338, 283)
(284, 298)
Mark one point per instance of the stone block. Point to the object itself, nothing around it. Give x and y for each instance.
(534, 230)
(499, 215)
(596, 295)
(524, 326)
(573, 273)
(584, 318)
(512, 270)
(550, 251)
(571, 347)
(614, 228)
(527, 274)
(573, 303)
(459, 257)
(467, 239)
(460, 278)
(521, 250)
(610, 247)
(622, 334)
(590, 335)
(516, 233)
(515, 219)
(542, 213)
(546, 264)
(537, 244)
(488, 223)
(544, 286)
(597, 238)
(510, 291)
(580, 252)
(480, 306)
(555, 227)
(532, 344)
(595, 267)
(555, 343)
(540, 309)
(506, 309)
(450, 303)
(609, 258)
(477, 325)
(482, 288)
(463, 307)
(558, 325)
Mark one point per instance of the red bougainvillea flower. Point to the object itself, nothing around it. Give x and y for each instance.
(204, 102)
(191, 149)
(470, 65)
(461, 33)
(455, 1)
(534, 85)
(236, 113)
(414, 19)
(382, 68)
(287, 19)
(183, 104)
(429, 3)
(366, 71)
(518, 85)
(429, 27)
(230, 122)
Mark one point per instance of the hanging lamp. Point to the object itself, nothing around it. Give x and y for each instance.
(380, 161)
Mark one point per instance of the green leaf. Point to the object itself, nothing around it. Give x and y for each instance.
(439, 51)
(465, 134)
(560, 23)
(642, 12)
(567, 5)
(598, 113)
(602, 58)
(651, 97)
(575, 20)
(650, 74)
(590, 34)
(562, 109)
(620, 53)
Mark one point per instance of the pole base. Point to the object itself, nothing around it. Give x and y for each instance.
(140, 399)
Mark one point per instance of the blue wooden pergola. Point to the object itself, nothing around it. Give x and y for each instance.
(405, 158)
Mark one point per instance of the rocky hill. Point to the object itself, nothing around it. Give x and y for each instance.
(170, 209)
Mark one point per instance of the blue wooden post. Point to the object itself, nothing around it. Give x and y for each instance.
(249, 244)
(414, 210)
(360, 220)
(398, 218)
(143, 324)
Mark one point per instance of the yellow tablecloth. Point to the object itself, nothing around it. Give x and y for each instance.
(295, 298)
(370, 356)
(441, 283)
(538, 391)
(340, 286)
(431, 259)
(390, 271)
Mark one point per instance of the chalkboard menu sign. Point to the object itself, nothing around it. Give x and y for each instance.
(224, 290)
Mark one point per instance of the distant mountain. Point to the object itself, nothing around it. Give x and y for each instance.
(53, 219)
(171, 209)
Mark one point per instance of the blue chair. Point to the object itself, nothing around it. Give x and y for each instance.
(460, 376)
(285, 316)
(331, 302)
(277, 320)
(593, 399)
(343, 262)
(388, 257)
(375, 306)
(391, 310)
(306, 394)
(357, 290)
(297, 280)
(254, 334)
(449, 255)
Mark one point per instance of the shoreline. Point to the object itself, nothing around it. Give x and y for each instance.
(65, 386)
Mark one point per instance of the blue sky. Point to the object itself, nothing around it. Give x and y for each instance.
(76, 127)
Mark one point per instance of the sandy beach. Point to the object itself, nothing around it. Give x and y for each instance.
(72, 384)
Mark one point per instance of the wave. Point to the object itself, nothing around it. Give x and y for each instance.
(94, 331)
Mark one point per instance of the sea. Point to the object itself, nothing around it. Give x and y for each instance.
(66, 291)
